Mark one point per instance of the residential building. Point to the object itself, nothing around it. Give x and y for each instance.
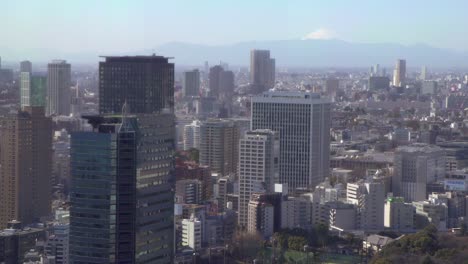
(258, 167)
(25, 174)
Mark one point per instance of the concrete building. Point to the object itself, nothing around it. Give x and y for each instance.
(192, 135)
(262, 71)
(16, 241)
(146, 83)
(26, 66)
(57, 244)
(219, 144)
(332, 85)
(415, 167)
(303, 123)
(399, 216)
(399, 74)
(25, 174)
(379, 83)
(192, 233)
(369, 199)
(189, 191)
(258, 167)
(431, 212)
(58, 88)
(191, 83)
(261, 218)
(429, 87)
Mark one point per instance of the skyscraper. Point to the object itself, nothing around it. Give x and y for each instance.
(423, 73)
(58, 88)
(33, 90)
(215, 80)
(123, 170)
(191, 83)
(262, 70)
(219, 140)
(146, 83)
(415, 167)
(25, 66)
(26, 158)
(258, 167)
(302, 120)
(399, 74)
(131, 155)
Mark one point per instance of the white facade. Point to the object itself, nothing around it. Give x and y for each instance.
(192, 233)
(399, 215)
(258, 167)
(302, 120)
(192, 135)
(58, 88)
(414, 167)
(369, 198)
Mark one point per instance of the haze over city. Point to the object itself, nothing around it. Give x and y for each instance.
(233, 132)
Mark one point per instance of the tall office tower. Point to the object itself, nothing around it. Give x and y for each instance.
(423, 73)
(146, 83)
(262, 70)
(26, 66)
(369, 199)
(258, 167)
(123, 170)
(399, 74)
(219, 142)
(415, 167)
(58, 88)
(303, 123)
(33, 90)
(226, 85)
(332, 85)
(191, 83)
(25, 174)
(377, 70)
(192, 135)
(215, 80)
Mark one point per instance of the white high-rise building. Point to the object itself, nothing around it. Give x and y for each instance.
(302, 120)
(58, 88)
(192, 135)
(399, 74)
(192, 233)
(416, 166)
(258, 167)
(369, 198)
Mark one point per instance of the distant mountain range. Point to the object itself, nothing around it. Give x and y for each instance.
(291, 53)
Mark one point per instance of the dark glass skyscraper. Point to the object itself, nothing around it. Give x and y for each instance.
(122, 195)
(122, 200)
(146, 83)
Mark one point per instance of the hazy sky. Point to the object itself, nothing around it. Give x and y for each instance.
(130, 25)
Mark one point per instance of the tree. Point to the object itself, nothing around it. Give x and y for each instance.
(246, 245)
(194, 154)
(297, 242)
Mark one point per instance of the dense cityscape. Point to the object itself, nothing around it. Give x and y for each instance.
(134, 158)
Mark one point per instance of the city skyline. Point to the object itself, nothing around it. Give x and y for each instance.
(126, 26)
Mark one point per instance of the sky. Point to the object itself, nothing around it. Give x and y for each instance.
(132, 25)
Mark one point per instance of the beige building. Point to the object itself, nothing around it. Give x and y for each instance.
(25, 174)
(258, 166)
(219, 141)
